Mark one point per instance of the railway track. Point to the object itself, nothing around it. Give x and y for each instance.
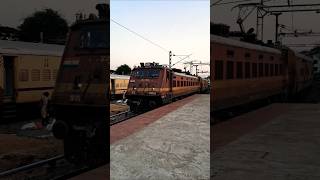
(120, 117)
(53, 168)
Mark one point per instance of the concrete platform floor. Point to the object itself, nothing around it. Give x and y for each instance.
(286, 147)
(176, 146)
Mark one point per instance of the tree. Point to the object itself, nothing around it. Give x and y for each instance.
(46, 23)
(123, 70)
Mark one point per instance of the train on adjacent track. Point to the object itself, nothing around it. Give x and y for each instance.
(118, 85)
(81, 95)
(244, 72)
(26, 71)
(152, 85)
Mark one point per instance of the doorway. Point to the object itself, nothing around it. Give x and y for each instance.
(8, 82)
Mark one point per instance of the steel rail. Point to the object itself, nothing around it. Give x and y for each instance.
(30, 166)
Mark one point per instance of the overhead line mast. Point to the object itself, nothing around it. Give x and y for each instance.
(277, 10)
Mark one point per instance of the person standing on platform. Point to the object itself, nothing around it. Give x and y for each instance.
(44, 108)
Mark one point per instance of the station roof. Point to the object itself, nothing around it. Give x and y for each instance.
(27, 48)
(116, 76)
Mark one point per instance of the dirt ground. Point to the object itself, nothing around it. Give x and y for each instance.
(117, 108)
(17, 151)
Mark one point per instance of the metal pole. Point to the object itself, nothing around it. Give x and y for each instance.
(277, 25)
(170, 56)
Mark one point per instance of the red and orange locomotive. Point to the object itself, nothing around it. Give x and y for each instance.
(80, 98)
(152, 85)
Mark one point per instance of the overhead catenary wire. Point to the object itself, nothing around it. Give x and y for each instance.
(137, 34)
(144, 38)
(218, 3)
(229, 2)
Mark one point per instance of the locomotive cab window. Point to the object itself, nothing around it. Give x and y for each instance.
(93, 39)
(146, 73)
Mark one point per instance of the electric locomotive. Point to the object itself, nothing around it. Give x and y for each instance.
(80, 99)
(152, 85)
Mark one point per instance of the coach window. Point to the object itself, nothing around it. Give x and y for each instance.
(24, 75)
(54, 74)
(260, 57)
(281, 69)
(260, 69)
(271, 58)
(35, 75)
(247, 55)
(46, 75)
(218, 70)
(230, 53)
(276, 69)
(266, 69)
(254, 70)
(174, 84)
(239, 70)
(271, 69)
(247, 70)
(230, 70)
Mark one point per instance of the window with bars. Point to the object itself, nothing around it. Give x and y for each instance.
(46, 75)
(54, 74)
(35, 75)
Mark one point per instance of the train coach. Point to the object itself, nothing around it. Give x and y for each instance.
(152, 85)
(118, 85)
(26, 71)
(245, 72)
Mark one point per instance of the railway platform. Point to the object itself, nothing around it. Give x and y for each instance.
(280, 141)
(170, 142)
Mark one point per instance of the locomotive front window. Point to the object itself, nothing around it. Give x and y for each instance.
(93, 39)
(146, 73)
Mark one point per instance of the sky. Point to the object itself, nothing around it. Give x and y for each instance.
(182, 26)
(14, 11)
(305, 21)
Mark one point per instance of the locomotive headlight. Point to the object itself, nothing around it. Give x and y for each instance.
(135, 88)
(79, 85)
(152, 89)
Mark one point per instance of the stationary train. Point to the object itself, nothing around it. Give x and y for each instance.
(118, 85)
(244, 72)
(26, 71)
(80, 98)
(152, 85)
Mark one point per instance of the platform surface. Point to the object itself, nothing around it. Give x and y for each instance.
(286, 147)
(175, 146)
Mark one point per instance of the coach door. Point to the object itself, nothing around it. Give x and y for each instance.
(113, 86)
(8, 62)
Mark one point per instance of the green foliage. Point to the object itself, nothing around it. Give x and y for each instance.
(123, 70)
(48, 21)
